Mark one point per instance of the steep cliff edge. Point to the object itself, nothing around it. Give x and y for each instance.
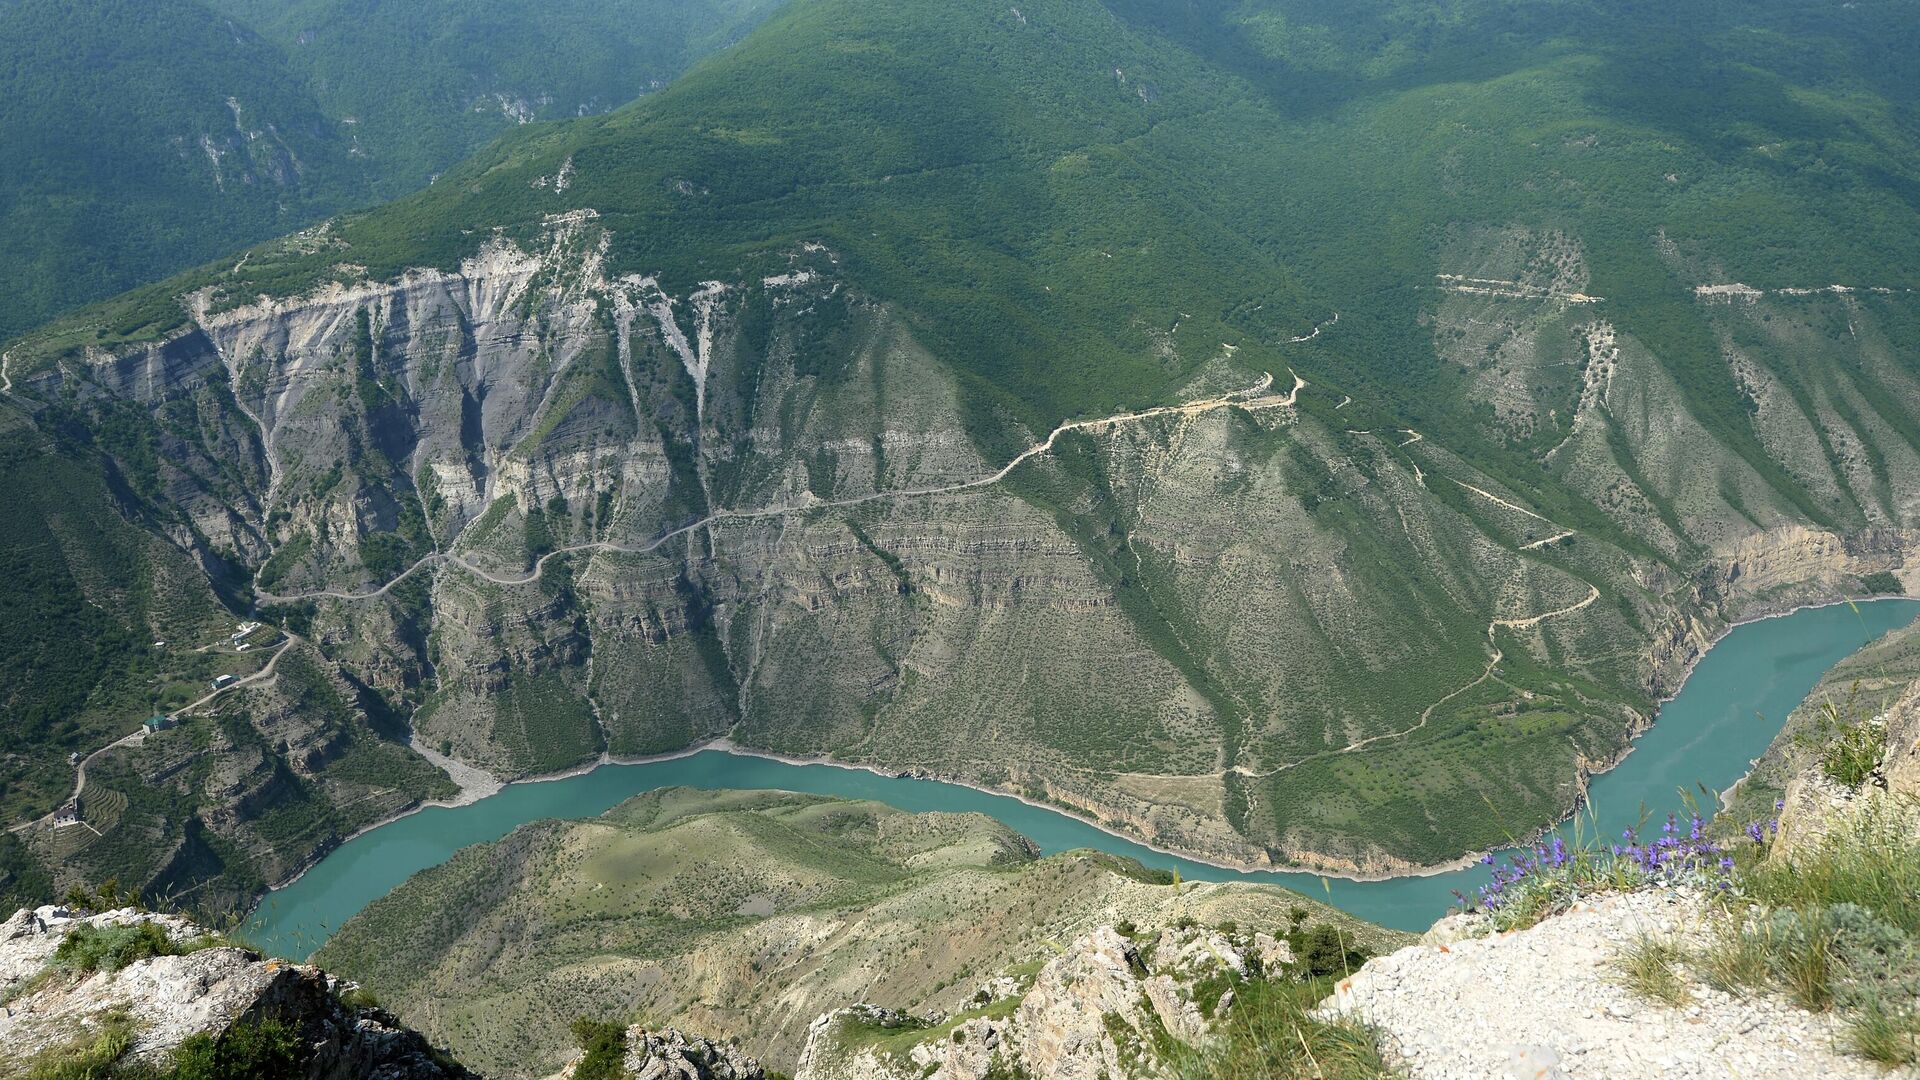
(1110, 1004)
(1786, 949)
(1551, 1001)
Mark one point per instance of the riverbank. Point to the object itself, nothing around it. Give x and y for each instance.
(469, 795)
(1722, 796)
(480, 785)
(1766, 614)
(1584, 778)
(1730, 710)
(725, 745)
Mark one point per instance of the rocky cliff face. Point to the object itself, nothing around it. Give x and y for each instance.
(551, 514)
(670, 1054)
(196, 986)
(1815, 802)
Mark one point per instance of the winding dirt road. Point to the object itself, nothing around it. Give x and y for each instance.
(1426, 714)
(80, 771)
(1253, 397)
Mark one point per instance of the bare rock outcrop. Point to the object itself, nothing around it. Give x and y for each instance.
(669, 1054)
(1900, 768)
(1814, 803)
(197, 990)
(1099, 1009)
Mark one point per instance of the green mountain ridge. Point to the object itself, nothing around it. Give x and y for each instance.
(120, 116)
(426, 84)
(708, 438)
(144, 138)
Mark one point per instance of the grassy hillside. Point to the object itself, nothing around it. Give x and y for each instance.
(748, 914)
(93, 591)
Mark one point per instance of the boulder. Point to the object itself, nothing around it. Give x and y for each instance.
(671, 1055)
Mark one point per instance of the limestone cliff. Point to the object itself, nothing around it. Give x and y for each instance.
(538, 513)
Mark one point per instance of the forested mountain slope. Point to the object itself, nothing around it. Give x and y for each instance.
(421, 85)
(142, 137)
(145, 136)
(1291, 432)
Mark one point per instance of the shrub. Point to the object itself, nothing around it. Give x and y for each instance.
(604, 1046)
(1323, 950)
(268, 1050)
(88, 947)
(1883, 583)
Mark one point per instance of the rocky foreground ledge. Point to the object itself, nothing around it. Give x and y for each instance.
(1544, 1002)
(68, 977)
(1550, 1002)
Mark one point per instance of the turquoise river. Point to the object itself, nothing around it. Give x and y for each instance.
(1724, 716)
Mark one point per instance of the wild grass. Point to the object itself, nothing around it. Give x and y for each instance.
(1651, 967)
(86, 1058)
(1834, 926)
(1736, 964)
(1886, 1033)
(1870, 860)
(1273, 1031)
(1852, 743)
